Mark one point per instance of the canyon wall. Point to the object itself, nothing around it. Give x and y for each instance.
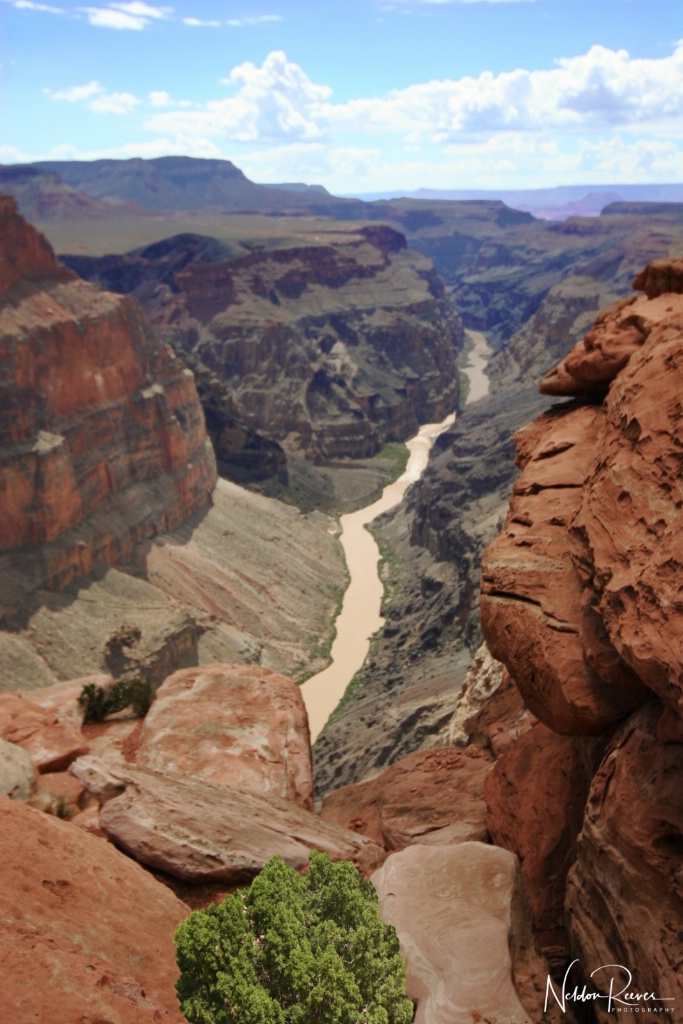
(581, 600)
(102, 435)
(330, 345)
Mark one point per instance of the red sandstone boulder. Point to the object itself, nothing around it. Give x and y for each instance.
(625, 894)
(451, 907)
(532, 609)
(33, 721)
(240, 726)
(627, 538)
(199, 832)
(429, 797)
(87, 934)
(535, 795)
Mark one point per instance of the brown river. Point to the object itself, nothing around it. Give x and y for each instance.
(360, 616)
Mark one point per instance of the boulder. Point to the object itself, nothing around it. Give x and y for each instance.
(231, 725)
(627, 537)
(532, 603)
(87, 934)
(199, 832)
(429, 797)
(625, 893)
(451, 907)
(52, 743)
(17, 774)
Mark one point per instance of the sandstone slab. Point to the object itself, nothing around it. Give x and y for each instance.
(198, 832)
(241, 726)
(451, 908)
(87, 934)
(429, 797)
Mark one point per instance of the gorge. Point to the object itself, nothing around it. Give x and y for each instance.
(558, 782)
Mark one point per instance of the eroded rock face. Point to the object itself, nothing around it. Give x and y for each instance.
(92, 926)
(451, 908)
(199, 832)
(46, 723)
(625, 892)
(101, 430)
(241, 726)
(329, 349)
(429, 797)
(582, 603)
(532, 608)
(536, 794)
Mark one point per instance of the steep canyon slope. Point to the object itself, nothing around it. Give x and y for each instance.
(330, 343)
(117, 552)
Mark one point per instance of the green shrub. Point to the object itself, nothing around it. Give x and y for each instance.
(293, 950)
(97, 702)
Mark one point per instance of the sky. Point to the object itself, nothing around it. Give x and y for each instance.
(356, 95)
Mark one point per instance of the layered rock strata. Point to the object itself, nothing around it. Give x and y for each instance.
(102, 436)
(329, 347)
(581, 601)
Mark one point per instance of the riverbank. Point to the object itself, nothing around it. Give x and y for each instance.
(360, 615)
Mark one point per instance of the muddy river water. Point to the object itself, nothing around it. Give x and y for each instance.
(360, 614)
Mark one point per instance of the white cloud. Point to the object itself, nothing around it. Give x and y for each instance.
(274, 103)
(198, 23)
(28, 5)
(597, 92)
(96, 98)
(261, 19)
(160, 98)
(133, 16)
(114, 103)
(77, 93)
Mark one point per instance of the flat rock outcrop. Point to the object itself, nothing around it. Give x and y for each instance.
(451, 907)
(47, 723)
(241, 726)
(90, 924)
(102, 438)
(429, 797)
(199, 832)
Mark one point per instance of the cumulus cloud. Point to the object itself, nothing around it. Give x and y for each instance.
(198, 23)
(96, 98)
(275, 102)
(600, 91)
(133, 15)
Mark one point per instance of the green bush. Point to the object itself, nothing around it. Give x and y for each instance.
(97, 702)
(293, 950)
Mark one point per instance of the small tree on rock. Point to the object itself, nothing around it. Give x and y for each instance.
(293, 950)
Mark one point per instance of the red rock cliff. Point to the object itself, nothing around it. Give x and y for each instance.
(102, 439)
(582, 601)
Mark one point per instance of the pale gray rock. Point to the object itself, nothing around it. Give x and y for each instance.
(451, 907)
(17, 774)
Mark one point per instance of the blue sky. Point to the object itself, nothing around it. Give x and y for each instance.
(356, 95)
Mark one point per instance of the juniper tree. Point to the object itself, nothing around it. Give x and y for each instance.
(293, 950)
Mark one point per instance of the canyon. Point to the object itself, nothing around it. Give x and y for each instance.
(549, 776)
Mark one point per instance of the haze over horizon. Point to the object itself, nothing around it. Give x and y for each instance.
(361, 96)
